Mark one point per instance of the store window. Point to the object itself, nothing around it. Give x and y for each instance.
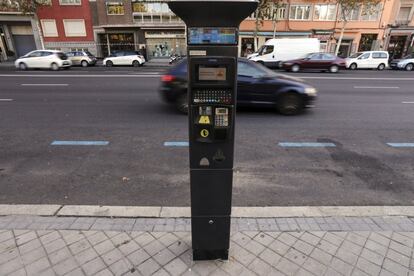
(115, 8)
(70, 2)
(300, 12)
(366, 42)
(324, 12)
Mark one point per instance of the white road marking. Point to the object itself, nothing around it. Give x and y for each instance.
(376, 87)
(407, 102)
(78, 76)
(351, 78)
(6, 100)
(44, 84)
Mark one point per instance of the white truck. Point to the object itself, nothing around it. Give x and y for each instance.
(277, 50)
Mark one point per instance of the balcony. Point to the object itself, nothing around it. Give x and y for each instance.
(157, 19)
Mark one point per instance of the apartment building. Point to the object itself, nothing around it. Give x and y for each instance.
(364, 30)
(19, 34)
(400, 33)
(67, 25)
(137, 25)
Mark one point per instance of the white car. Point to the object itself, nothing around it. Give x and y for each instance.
(368, 60)
(43, 59)
(406, 63)
(130, 58)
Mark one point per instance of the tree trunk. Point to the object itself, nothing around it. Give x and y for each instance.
(274, 28)
(256, 29)
(340, 37)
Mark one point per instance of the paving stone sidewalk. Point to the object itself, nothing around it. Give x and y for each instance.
(31, 245)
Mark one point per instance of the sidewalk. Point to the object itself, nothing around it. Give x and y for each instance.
(51, 245)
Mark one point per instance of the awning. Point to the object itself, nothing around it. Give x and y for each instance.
(277, 33)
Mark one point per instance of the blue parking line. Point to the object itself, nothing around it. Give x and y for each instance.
(80, 143)
(305, 145)
(176, 144)
(401, 145)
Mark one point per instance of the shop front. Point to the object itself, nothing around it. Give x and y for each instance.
(163, 44)
(400, 43)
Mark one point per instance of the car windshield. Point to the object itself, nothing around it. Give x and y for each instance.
(88, 53)
(409, 56)
(355, 55)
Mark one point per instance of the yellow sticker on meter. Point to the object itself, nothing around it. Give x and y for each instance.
(204, 133)
(205, 120)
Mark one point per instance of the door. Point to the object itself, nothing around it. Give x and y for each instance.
(267, 53)
(33, 59)
(314, 61)
(117, 59)
(24, 44)
(364, 61)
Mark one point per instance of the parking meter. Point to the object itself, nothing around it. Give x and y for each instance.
(212, 47)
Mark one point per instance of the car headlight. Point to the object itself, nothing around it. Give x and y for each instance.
(311, 91)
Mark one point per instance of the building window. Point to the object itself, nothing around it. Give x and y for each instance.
(70, 2)
(371, 13)
(74, 27)
(49, 28)
(152, 12)
(300, 12)
(281, 12)
(324, 12)
(115, 8)
(353, 15)
(150, 7)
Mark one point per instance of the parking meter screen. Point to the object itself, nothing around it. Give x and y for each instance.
(212, 36)
(206, 73)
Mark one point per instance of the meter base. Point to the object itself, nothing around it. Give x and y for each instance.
(206, 255)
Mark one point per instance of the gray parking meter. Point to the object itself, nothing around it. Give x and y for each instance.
(212, 39)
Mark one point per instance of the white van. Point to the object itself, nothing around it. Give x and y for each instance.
(368, 59)
(277, 50)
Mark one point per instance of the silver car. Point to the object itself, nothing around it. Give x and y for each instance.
(82, 58)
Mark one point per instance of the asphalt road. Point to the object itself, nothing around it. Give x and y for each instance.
(357, 111)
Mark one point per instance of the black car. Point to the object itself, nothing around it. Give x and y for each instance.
(257, 86)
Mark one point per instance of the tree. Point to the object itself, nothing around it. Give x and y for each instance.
(266, 10)
(346, 10)
(26, 7)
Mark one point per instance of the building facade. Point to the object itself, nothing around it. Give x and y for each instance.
(365, 30)
(67, 25)
(400, 33)
(137, 25)
(19, 34)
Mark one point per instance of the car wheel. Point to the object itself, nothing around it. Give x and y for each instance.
(22, 66)
(290, 104)
(334, 69)
(84, 63)
(182, 103)
(409, 67)
(381, 67)
(54, 66)
(295, 68)
(353, 66)
(135, 63)
(109, 63)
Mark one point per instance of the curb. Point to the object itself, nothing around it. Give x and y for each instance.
(185, 212)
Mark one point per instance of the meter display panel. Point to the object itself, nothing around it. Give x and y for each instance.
(227, 36)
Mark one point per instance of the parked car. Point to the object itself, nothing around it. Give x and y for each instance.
(43, 59)
(131, 58)
(277, 50)
(368, 60)
(82, 58)
(315, 61)
(257, 86)
(405, 63)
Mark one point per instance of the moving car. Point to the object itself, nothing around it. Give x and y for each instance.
(406, 63)
(276, 50)
(131, 58)
(83, 58)
(368, 60)
(315, 61)
(43, 59)
(257, 86)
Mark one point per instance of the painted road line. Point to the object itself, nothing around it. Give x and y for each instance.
(352, 78)
(305, 145)
(376, 87)
(79, 143)
(407, 102)
(401, 145)
(79, 76)
(44, 84)
(176, 144)
(6, 100)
